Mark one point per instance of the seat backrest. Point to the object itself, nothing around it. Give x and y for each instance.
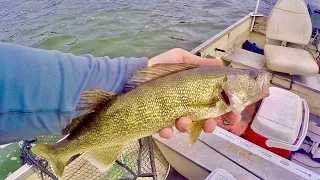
(289, 21)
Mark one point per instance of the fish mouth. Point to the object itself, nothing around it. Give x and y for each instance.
(225, 97)
(235, 103)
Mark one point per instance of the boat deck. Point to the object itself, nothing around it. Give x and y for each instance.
(212, 152)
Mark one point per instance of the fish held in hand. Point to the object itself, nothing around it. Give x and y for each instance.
(154, 98)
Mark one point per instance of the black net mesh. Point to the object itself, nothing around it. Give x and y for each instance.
(140, 159)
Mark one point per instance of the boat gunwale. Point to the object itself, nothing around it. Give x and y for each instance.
(23, 172)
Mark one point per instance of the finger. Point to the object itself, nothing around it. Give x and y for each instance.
(239, 128)
(218, 119)
(209, 125)
(183, 124)
(233, 117)
(166, 133)
(193, 59)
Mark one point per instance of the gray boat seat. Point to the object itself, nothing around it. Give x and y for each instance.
(289, 21)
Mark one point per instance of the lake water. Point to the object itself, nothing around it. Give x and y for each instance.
(119, 28)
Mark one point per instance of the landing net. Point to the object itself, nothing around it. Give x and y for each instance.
(141, 160)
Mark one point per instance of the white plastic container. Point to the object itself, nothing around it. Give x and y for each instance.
(282, 120)
(220, 174)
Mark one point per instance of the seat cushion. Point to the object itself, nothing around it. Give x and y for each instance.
(290, 60)
(289, 21)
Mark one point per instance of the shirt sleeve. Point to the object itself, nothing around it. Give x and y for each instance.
(40, 89)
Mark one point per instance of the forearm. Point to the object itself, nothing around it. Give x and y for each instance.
(37, 85)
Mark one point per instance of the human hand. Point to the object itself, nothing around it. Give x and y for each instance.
(181, 56)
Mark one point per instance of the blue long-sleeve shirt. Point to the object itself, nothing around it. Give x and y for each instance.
(40, 89)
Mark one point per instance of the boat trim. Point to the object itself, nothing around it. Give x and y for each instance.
(22, 173)
(254, 17)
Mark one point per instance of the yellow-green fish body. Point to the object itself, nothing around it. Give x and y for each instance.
(156, 98)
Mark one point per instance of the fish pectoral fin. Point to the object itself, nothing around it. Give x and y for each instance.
(104, 158)
(154, 72)
(195, 130)
(92, 99)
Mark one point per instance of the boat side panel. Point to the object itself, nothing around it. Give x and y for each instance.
(257, 38)
(263, 168)
(260, 25)
(234, 38)
(222, 34)
(193, 162)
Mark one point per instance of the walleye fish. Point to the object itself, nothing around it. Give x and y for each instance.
(153, 99)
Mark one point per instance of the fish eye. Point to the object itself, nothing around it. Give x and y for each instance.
(253, 74)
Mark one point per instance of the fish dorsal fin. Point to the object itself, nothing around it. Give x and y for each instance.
(92, 99)
(74, 124)
(154, 72)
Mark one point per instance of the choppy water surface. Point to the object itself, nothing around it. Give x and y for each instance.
(118, 28)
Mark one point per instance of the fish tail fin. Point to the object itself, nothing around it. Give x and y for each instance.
(195, 130)
(46, 151)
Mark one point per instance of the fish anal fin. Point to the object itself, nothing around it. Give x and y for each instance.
(154, 72)
(195, 130)
(104, 158)
(91, 99)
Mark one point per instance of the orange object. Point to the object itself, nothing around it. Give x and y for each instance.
(259, 140)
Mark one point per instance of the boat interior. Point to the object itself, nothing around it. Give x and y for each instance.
(285, 44)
